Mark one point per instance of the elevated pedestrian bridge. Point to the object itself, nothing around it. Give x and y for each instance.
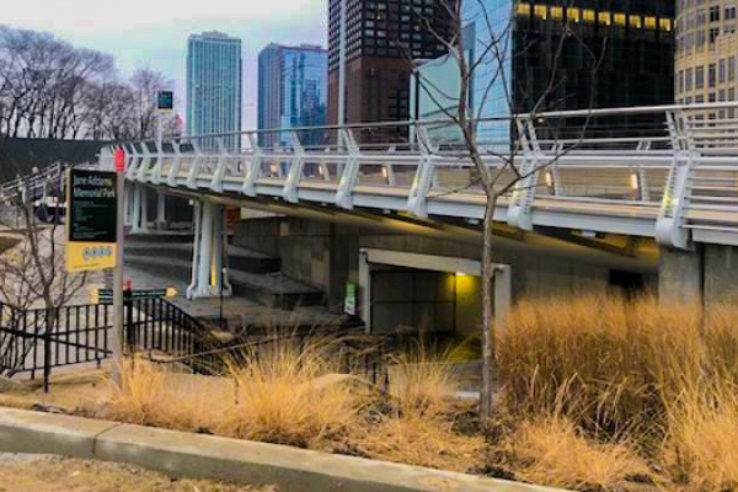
(597, 170)
(668, 173)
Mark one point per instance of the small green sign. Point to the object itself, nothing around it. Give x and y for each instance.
(165, 101)
(349, 305)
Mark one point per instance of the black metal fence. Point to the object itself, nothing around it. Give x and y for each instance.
(38, 340)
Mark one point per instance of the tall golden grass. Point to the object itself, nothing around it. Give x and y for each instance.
(663, 375)
(550, 450)
(286, 395)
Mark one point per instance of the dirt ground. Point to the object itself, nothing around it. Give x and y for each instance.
(38, 473)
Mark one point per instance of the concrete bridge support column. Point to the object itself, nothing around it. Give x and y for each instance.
(140, 219)
(681, 275)
(209, 272)
(721, 274)
(161, 211)
(706, 275)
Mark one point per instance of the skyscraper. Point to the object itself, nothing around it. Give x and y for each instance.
(561, 55)
(214, 71)
(381, 37)
(707, 53)
(293, 89)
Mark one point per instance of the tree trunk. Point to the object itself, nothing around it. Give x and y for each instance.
(488, 307)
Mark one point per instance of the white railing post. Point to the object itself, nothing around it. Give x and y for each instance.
(670, 230)
(174, 170)
(350, 172)
(519, 213)
(133, 163)
(293, 178)
(216, 183)
(146, 161)
(253, 168)
(195, 167)
(417, 203)
(391, 180)
(159, 159)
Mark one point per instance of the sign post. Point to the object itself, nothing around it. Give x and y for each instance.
(117, 345)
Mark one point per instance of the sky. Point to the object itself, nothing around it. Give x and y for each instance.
(153, 33)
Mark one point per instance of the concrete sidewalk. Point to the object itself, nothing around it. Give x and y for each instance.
(201, 456)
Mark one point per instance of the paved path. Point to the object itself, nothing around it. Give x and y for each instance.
(37, 473)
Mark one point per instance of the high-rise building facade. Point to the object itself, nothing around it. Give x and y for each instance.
(293, 92)
(706, 52)
(214, 74)
(382, 37)
(561, 55)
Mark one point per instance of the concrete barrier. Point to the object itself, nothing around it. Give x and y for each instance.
(202, 456)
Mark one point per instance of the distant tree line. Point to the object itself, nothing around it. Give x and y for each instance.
(50, 89)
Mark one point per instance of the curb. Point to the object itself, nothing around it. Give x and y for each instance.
(203, 456)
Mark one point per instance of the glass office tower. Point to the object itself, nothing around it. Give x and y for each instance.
(214, 73)
(555, 55)
(293, 86)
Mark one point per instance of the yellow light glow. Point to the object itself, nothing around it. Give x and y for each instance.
(634, 181)
(572, 13)
(462, 274)
(549, 179)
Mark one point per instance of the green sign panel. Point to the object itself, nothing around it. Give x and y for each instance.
(92, 206)
(165, 101)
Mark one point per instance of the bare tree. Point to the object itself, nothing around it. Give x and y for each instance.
(33, 273)
(145, 84)
(490, 52)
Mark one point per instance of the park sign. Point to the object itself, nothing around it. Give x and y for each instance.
(91, 220)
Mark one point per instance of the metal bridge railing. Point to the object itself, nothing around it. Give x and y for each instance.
(665, 171)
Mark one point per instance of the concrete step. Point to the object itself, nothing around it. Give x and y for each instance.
(238, 258)
(269, 289)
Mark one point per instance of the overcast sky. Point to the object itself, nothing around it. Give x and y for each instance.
(153, 33)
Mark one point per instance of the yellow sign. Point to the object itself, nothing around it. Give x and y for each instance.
(85, 257)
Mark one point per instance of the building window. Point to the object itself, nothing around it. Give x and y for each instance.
(573, 14)
(523, 8)
(711, 75)
(540, 11)
(665, 24)
(619, 19)
(650, 22)
(715, 13)
(699, 78)
(635, 21)
(714, 33)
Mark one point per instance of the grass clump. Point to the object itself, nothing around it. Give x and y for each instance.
(286, 395)
(417, 422)
(700, 451)
(550, 450)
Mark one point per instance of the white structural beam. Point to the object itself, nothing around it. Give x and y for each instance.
(209, 270)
